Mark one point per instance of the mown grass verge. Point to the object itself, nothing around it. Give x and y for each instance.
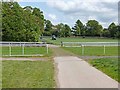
(28, 74)
(33, 51)
(94, 50)
(107, 65)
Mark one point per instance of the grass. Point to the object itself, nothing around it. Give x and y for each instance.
(28, 74)
(0, 74)
(0, 70)
(107, 65)
(94, 51)
(78, 39)
(27, 51)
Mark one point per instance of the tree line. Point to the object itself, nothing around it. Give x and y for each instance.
(28, 24)
(92, 28)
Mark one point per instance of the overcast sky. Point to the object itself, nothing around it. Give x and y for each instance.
(68, 11)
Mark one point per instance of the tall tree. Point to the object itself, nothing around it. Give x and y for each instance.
(106, 32)
(112, 29)
(67, 31)
(117, 34)
(81, 26)
(39, 18)
(61, 29)
(94, 28)
(48, 28)
(20, 24)
(78, 29)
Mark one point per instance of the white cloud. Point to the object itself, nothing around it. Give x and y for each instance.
(92, 18)
(70, 5)
(103, 10)
(31, 0)
(52, 16)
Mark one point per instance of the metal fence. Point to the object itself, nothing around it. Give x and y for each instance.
(24, 48)
(91, 44)
(79, 44)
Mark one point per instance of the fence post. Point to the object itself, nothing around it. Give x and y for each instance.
(82, 49)
(47, 48)
(61, 44)
(23, 49)
(104, 50)
(9, 49)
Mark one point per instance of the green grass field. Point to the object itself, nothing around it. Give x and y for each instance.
(107, 65)
(76, 39)
(28, 74)
(27, 51)
(93, 51)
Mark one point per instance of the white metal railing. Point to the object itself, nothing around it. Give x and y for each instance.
(79, 44)
(84, 44)
(23, 45)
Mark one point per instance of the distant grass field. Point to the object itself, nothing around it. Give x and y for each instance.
(77, 39)
(28, 74)
(107, 65)
(94, 51)
(27, 51)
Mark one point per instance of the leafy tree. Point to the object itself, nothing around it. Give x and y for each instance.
(106, 32)
(100, 31)
(61, 30)
(94, 28)
(12, 16)
(48, 28)
(112, 29)
(21, 24)
(81, 26)
(39, 18)
(67, 31)
(84, 31)
(28, 9)
(117, 34)
(78, 29)
(77, 32)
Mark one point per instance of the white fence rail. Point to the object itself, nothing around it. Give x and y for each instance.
(22, 46)
(92, 44)
(79, 44)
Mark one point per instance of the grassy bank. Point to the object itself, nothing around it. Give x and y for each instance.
(107, 65)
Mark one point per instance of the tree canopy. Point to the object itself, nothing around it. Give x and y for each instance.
(21, 24)
(78, 29)
(93, 28)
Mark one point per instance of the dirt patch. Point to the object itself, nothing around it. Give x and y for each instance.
(57, 51)
(25, 59)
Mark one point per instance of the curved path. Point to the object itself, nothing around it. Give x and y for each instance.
(73, 72)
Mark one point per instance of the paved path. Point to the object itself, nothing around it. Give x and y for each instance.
(74, 72)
